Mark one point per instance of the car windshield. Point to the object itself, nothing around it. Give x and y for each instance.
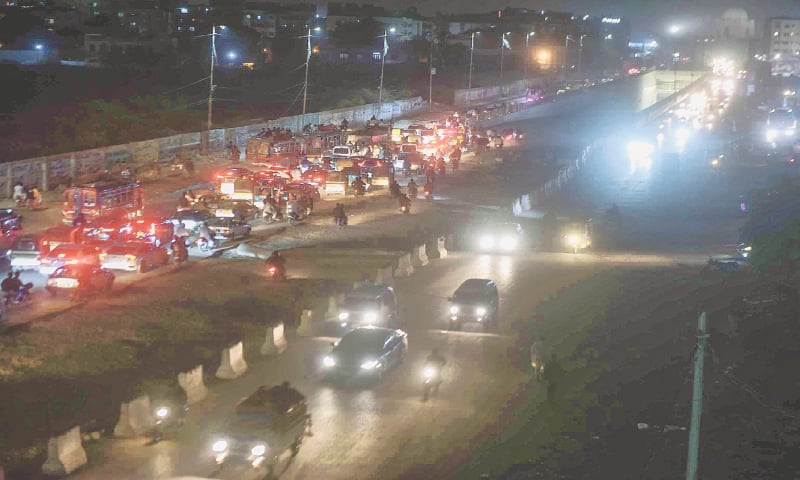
(26, 244)
(360, 302)
(363, 340)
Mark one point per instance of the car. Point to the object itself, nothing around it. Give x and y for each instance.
(365, 353)
(475, 301)
(228, 228)
(500, 237)
(69, 254)
(239, 209)
(80, 279)
(191, 218)
(157, 230)
(315, 175)
(368, 305)
(9, 221)
(134, 257)
(24, 253)
(234, 172)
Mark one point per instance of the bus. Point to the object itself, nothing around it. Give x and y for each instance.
(123, 198)
(270, 152)
(323, 140)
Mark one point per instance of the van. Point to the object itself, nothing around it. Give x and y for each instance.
(369, 305)
(475, 301)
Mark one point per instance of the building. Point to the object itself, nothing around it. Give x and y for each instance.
(783, 38)
(143, 18)
(407, 25)
(263, 21)
(735, 25)
(189, 17)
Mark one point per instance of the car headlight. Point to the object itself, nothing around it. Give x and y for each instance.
(486, 242)
(454, 309)
(508, 243)
(220, 446)
(370, 317)
(258, 450)
(370, 365)
(481, 311)
(429, 372)
(573, 239)
(329, 361)
(771, 134)
(162, 413)
(344, 316)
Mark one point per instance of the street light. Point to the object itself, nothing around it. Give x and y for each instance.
(503, 44)
(385, 37)
(527, 55)
(308, 61)
(211, 74)
(471, 53)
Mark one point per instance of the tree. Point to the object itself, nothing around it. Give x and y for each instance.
(361, 33)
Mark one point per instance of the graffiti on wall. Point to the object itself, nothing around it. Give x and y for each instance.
(144, 152)
(26, 173)
(58, 172)
(89, 164)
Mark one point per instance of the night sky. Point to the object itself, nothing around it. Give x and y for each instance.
(644, 15)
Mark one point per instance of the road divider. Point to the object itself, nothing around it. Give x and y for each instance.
(192, 383)
(306, 327)
(65, 453)
(232, 364)
(275, 341)
(404, 267)
(135, 418)
(419, 256)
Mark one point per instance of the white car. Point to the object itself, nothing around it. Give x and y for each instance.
(224, 228)
(134, 257)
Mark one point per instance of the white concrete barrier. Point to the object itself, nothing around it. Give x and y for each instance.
(419, 256)
(135, 418)
(516, 207)
(275, 341)
(192, 383)
(249, 251)
(306, 328)
(404, 267)
(441, 248)
(333, 306)
(65, 454)
(384, 276)
(526, 202)
(232, 364)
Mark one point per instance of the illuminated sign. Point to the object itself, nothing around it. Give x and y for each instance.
(611, 20)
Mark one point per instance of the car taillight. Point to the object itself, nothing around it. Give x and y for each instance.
(103, 256)
(71, 261)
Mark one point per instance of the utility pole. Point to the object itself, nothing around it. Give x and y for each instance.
(697, 399)
(430, 78)
(580, 56)
(383, 64)
(305, 83)
(527, 56)
(471, 53)
(211, 75)
(502, 53)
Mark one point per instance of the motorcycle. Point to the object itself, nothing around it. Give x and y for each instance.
(276, 272)
(359, 189)
(204, 244)
(20, 296)
(428, 193)
(405, 208)
(431, 380)
(164, 417)
(412, 191)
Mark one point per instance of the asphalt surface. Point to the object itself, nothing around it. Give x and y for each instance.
(387, 431)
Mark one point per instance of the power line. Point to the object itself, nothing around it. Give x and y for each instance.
(170, 92)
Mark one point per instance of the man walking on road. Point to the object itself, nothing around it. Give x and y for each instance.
(553, 377)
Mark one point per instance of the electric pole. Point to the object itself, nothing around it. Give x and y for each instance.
(211, 75)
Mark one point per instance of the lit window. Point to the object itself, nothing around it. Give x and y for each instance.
(376, 55)
(258, 17)
(191, 29)
(180, 29)
(184, 10)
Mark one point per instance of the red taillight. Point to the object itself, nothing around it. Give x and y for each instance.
(271, 269)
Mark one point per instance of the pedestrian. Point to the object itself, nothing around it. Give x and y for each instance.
(553, 376)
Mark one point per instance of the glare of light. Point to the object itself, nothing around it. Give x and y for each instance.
(506, 268)
(329, 361)
(219, 446)
(480, 311)
(344, 316)
(162, 412)
(674, 29)
(370, 317)
(370, 364)
(232, 55)
(486, 242)
(639, 150)
(317, 29)
(508, 243)
(573, 240)
(258, 450)
(453, 309)
(38, 46)
(392, 30)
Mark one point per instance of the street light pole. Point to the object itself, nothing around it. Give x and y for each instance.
(430, 78)
(697, 399)
(580, 55)
(502, 54)
(305, 83)
(527, 56)
(471, 52)
(675, 57)
(383, 63)
(211, 75)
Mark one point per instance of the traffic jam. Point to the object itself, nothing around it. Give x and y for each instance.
(106, 233)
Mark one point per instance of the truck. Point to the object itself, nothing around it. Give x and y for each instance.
(263, 426)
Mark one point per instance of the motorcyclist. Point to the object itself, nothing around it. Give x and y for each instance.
(394, 189)
(10, 286)
(405, 203)
(179, 249)
(293, 208)
(277, 261)
(181, 232)
(359, 186)
(19, 193)
(345, 124)
(204, 232)
(428, 189)
(412, 188)
(339, 215)
(435, 359)
(537, 356)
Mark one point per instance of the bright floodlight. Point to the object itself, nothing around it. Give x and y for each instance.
(38, 46)
(232, 55)
(392, 29)
(674, 29)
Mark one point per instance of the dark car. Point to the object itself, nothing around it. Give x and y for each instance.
(156, 230)
(300, 189)
(369, 305)
(477, 301)
(81, 280)
(234, 172)
(191, 218)
(9, 221)
(365, 353)
(315, 175)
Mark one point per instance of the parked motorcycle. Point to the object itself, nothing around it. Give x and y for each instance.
(276, 272)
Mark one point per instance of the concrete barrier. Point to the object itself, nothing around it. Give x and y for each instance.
(65, 453)
(249, 251)
(404, 267)
(526, 202)
(384, 276)
(232, 364)
(306, 328)
(192, 383)
(419, 256)
(275, 340)
(135, 418)
(441, 248)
